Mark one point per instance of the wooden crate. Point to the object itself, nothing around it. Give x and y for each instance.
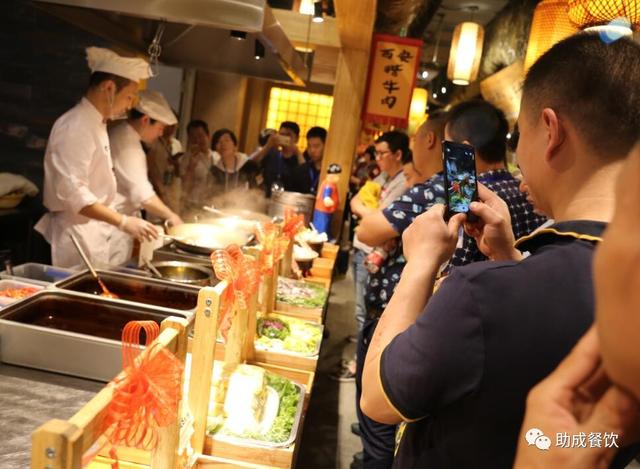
(60, 444)
(330, 251)
(296, 362)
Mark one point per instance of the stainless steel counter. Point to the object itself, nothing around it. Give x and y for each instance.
(28, 398)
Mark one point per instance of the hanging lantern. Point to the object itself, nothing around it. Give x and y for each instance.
(550, 25)
(597, 13)
(466, 52)
(417, 109)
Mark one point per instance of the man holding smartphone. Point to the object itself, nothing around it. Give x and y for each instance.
(279, 157)
(485, 127)
(456, 366)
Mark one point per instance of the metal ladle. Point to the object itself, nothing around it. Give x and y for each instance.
(105, 291)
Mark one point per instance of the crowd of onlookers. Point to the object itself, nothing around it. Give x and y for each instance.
(500, 339)
(211, 169)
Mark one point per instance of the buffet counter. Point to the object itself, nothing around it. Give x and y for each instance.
(29, 397)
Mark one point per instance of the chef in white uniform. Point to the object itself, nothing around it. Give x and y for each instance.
(146, 123)
(79, 183)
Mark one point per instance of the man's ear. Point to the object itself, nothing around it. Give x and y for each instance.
(432, 140)
(555, 132)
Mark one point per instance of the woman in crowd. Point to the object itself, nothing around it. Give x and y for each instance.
(231, 169)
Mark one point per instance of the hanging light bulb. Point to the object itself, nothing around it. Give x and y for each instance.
(306, 7)
(550, 25)
(466, 52)
(417, 109)
(318, 13)
(259, 50)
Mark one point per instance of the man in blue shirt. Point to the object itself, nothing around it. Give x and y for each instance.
(456, 366)
(279, 157)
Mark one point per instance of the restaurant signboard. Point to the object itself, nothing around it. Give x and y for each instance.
(392, 75)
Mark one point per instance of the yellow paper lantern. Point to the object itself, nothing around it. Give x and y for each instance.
(590, 13)
(466, 52)
(550, 25)
(417, 109)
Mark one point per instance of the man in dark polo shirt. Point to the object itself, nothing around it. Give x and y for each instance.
(484, 126)
(456, 366)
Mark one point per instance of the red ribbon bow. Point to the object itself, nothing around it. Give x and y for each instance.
(243, 276)
(274, 246)
(293, 223)
(146, 395)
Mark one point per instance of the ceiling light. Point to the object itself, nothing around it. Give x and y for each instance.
(466, 52)
(317, 12)
(238, 35)
(306, 7)
(434, 95)
(550, 25)
(425, 74)
(443, 90)
(259, 50)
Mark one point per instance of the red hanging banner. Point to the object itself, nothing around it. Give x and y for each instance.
(393, 66)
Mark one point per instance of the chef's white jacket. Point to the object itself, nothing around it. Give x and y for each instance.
(133, 186)
(78, 171)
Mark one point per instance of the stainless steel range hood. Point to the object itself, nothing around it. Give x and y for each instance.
(196, 33)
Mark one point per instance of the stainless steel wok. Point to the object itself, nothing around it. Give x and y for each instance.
(204, 238)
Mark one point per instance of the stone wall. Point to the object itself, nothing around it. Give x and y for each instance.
(506, 36)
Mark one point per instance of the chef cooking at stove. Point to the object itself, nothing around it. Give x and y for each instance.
(145, 124)
(79, 182)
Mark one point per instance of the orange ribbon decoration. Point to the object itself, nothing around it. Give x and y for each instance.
(243, 276)
(293, 223)
(274, 246)
(146, 395)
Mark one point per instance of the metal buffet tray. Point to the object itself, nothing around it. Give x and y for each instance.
(70, 333)
(162, 294)
(268, 444)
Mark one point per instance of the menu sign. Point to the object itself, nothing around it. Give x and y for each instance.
(392, 75)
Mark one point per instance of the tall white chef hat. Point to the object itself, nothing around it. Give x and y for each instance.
(105, 60)
(153, 104)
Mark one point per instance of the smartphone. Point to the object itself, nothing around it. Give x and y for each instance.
(460, 179)
(284, 140)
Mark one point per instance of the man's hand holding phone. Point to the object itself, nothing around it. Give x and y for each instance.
(430, 237)
(492, 231)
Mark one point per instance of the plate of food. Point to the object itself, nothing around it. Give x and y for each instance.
(300, 293)
(260, 409)
(288, 335)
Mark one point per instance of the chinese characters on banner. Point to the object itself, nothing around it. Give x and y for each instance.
(392, 74)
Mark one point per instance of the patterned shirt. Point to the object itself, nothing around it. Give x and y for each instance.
(417, 200)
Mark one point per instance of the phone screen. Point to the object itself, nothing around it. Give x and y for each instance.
(459, 162)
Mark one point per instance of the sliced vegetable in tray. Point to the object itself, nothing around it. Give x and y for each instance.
(299, 293)
(259, 406)
(291, 335)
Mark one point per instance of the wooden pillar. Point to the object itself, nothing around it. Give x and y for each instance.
(355, 25)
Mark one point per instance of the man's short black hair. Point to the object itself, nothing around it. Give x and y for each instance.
(407, 157)
(396, 140)
(317, 132)
(292, 126)
(97, 78)
(595, 85)
(134, 115)
(481, 124)
(217, 135)
(197, 123)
